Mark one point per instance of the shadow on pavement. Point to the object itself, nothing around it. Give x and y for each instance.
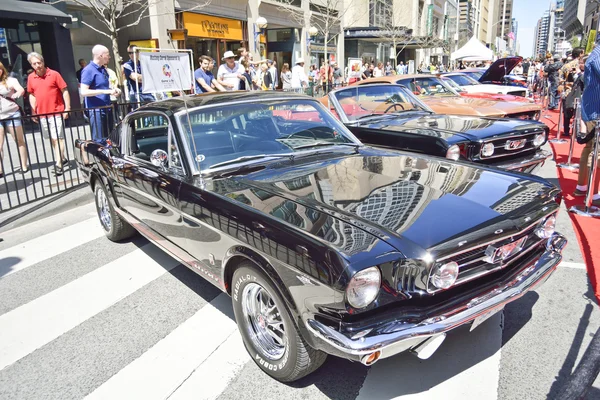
(7, 264)
(569, 364)
(517, 314)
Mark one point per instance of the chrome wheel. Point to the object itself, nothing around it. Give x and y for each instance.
(263, 321)
(103, 210)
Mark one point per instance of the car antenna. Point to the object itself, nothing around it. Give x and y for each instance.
(198, 158)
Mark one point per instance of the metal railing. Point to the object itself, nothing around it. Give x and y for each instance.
(37, 156)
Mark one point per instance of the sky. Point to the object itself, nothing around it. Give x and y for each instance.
(527, 13)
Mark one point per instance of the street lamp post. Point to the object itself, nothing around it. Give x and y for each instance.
(259, 29)
(313, 31)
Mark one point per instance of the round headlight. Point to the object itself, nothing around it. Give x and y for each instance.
(487, 150)
(546, 228)
(443, 276)
(453, 152)
(364, 287)
(539, 139)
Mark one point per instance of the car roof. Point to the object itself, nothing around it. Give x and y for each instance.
(176, 104)
(394, 78)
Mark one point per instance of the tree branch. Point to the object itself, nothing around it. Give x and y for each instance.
(96, 29)
(136, 22)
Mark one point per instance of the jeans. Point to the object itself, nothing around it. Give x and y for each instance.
(101, 123)
(568, 114)
(554, 96)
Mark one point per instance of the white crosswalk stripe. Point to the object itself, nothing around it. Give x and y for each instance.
(36, 323)
(46, 246)
(159, 371)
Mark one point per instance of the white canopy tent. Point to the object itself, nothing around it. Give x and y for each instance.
(473, 50)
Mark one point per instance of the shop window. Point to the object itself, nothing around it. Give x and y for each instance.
(279, 35)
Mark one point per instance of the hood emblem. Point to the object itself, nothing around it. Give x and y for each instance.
(515, 144)
(494, 255)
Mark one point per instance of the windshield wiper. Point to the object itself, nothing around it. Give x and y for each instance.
(321, 144)
(248, 158)
(370, 116)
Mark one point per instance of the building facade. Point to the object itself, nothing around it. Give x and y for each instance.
(542, 31)
(503, 18)
(573, 17)
(401, 31)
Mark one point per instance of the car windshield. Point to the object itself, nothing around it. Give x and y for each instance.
(463, 80)
(474, 74)
(453, 84)
(428, 86)
(357, 102)
(227, 135)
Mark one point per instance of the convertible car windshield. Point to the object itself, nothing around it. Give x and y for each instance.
(230, 134)
(474, 74)
(357, 102)
(453, 84)
(428, 86)
(463, 80)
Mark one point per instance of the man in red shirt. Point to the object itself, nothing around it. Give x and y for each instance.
(48, 94)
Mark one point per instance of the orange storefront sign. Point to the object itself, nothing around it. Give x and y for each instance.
(207, 26)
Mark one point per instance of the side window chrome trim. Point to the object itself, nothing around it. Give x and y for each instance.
(126, 139)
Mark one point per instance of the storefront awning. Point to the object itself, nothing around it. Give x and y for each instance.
(29, 11)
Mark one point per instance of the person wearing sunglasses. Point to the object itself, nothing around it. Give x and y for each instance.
(134, 78)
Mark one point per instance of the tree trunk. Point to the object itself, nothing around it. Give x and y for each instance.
(116, 56)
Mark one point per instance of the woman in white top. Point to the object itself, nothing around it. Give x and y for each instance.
(10, 116)
(378, 71)
(286, 76)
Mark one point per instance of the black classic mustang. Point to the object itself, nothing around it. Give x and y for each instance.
(387, 115)
(325, 246)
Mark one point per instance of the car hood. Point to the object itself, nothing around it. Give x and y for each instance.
(500, 67)
(450, 127)
(459, 105)
(414, 203)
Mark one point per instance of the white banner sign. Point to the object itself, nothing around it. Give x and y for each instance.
(165, 72)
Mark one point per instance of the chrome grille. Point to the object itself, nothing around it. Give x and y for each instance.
(500, 144)
(472, 264)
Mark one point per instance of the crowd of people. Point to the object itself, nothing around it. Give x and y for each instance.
(567, 78)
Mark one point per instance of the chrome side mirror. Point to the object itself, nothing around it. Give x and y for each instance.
(159, 158)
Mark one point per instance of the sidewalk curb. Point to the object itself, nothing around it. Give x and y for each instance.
(37, 210)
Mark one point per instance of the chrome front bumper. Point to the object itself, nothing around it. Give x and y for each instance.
(396, 336)
(527, 164)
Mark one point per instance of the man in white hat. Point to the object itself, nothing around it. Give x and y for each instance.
(299, 78)
(230, 73)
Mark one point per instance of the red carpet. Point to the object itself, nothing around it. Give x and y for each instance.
(586, 228)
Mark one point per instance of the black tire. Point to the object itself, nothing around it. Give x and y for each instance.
(298, 359)
(114, 226)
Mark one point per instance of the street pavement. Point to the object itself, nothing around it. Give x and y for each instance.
(82, 317)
